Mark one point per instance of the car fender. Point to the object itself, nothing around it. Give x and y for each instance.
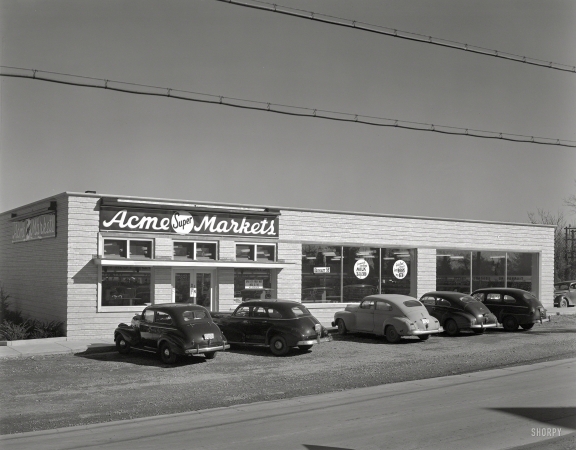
(401, 324)
(461, 318)
(348, 318)
(175, 344)
(287, 333)
(131, 335)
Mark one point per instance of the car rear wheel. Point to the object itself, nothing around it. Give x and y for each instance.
(510, 323)
(527, 326)
(166, 354)
(278, 346)
(210, 355)
(451, 327)
(122, 345)
(563, 303)
(392, 335)
(304, 348)
(479, 330)
(424, 337)
(341, 327)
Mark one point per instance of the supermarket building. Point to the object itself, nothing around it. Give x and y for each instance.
(91, 260)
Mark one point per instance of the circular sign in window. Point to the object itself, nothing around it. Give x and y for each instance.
(182, 222)
(361, 269)
(400, 269)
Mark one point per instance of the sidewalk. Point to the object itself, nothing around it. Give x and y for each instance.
(52, 346)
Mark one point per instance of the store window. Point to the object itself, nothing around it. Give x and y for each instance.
(127, 248)
(348, 274)
(253, 284)
(467, 270)
(256, 252)
(125, 286)
(195, 251)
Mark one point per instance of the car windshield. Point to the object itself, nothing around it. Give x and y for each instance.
(529, 296)
(191, 316)
(468, 299)
(561, 286)
(412, 303)
(299, 310)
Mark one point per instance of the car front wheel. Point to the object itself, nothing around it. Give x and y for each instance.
(563, 303)
(122, 345)
(451, 327)
(278, 346)
(341, 327)
(527, 326)
(510, 323)
(392, 335)
(166, 354)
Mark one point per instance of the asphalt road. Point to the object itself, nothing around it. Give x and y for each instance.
(482, 410)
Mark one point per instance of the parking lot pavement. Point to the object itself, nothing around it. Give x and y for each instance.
(52, 346)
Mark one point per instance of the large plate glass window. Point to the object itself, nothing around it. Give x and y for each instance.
(397, 271)
(453, 269)
(488, 269)
(253, 284)
(321, 273)
(519, 270)
(125, 286)
(127, 248)
(361, 273)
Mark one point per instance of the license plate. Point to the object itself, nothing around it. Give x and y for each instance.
(209, 336)
(425, 321)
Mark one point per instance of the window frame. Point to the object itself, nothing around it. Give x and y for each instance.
(128, 253)
(195, 250)
(254, 250)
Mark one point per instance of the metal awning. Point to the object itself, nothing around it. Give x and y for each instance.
(176, 263)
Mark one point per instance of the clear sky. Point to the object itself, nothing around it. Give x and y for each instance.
(57, 138)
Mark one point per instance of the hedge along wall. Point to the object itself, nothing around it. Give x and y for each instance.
(33, 272)
(424, 234)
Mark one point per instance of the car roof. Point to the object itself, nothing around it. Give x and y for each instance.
(567, 281)
(269, 302)
(448, 294)
(176, 306)
(502, 289)
(394, 298)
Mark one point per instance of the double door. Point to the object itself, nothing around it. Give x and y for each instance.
(194, 286)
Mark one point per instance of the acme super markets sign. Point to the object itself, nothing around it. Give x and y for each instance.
(188, 222)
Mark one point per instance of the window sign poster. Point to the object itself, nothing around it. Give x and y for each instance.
(254, 284)
(400, 269)
(361, 269)
(321, 269)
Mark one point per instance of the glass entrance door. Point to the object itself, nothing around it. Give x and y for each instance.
(194, 286)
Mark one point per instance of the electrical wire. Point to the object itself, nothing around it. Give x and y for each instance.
(143, 89)
(332, 20)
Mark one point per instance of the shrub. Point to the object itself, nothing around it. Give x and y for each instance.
(12, 332)
(47, 330)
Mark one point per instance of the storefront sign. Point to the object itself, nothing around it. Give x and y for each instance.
(39, 227)
(321, 269)
(254, 284)
(361, 269)
(188, 222)
(400, 269)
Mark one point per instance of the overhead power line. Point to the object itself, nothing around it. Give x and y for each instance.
(143, 89)
(349, 23)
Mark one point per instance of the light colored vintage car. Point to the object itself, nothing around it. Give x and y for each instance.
(390, 315)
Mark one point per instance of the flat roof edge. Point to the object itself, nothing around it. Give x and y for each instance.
(281, 208)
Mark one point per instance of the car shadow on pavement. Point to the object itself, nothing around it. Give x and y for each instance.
(559, 416)
(362, 338)
(141, 359)
(264, 351)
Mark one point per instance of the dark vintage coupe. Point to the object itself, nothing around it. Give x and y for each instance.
(457, 311)
(172, 329)
(278, 324)
(390, 315)
(512, 307)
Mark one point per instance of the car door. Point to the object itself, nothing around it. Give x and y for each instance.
(257, 326)
(493, 301)
(429, 301)
(365, 316)
(442, 309)
(146, 327)
(382, 314)
(233, 326)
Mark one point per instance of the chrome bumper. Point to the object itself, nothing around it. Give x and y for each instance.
(315, 341)
(198, 350)
(483, 325)
(421, 332)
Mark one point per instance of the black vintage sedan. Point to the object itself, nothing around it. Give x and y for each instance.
(278, 324)
(172, 329)
(512, 307)
(457, 311)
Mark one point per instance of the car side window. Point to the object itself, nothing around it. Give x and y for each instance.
(243, 311)
(573, 286)
(509, 299)
(493, 297)
(383, 306)
(260, 312)
(366, 304)
(163, 318)
(428, 300)
(442, 302)
(149, 316)
(274, 313)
